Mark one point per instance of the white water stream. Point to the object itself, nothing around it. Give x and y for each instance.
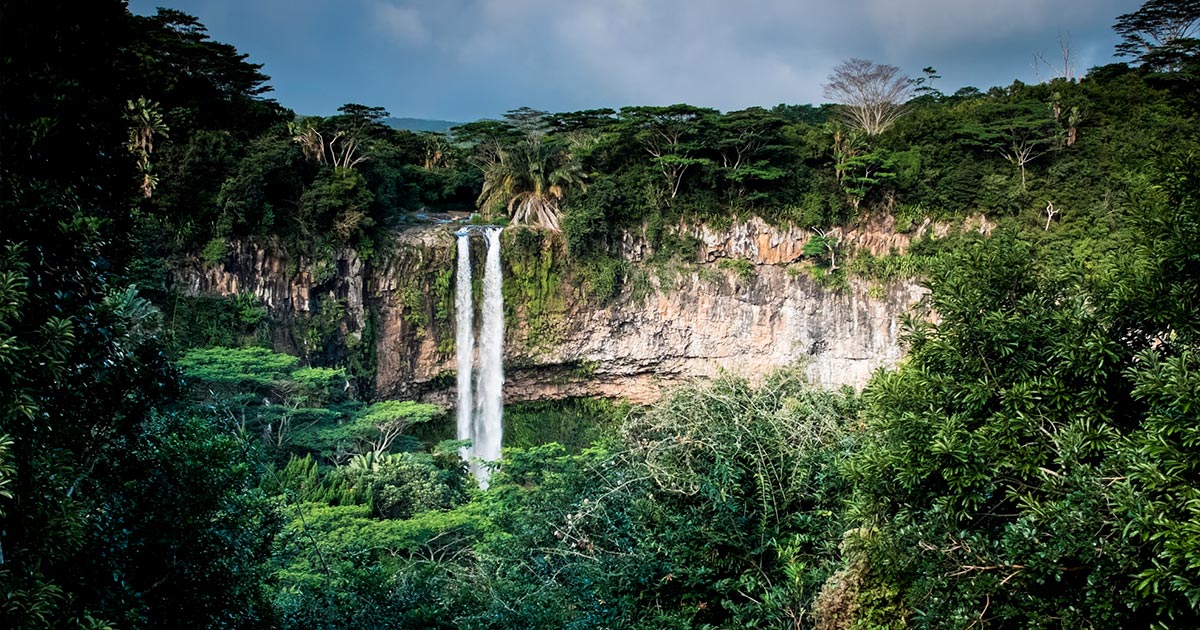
(464, 340)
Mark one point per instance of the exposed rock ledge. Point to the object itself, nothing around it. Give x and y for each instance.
(712, 320)
(761, 243)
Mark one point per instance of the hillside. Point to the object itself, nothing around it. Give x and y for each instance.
(419, 124)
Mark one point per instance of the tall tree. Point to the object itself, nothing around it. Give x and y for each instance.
(340, 141)
(1157, 298)
(72, 380)
(983, 482)
(1161, 34)
(743, 141)
(872, 95)
(201, 83)
(923, 85)
(673, 136)
(529, 122)
(213, 99)
(1019, 132)
(147, 124)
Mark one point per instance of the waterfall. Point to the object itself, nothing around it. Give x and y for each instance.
(480, 408)
(489, 425)
(464, 338)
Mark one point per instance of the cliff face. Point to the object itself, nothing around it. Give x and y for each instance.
(743, 325)
(669, 326)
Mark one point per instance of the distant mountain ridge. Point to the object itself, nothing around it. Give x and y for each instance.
(420, 124)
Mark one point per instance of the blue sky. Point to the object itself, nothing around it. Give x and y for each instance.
(468, 59)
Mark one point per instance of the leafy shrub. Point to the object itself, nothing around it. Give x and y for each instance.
(717, 506)
(574, 423)
(214, 252)
(209, 320)
(237, 367)
(740, 267)
(400, 485)
(603, 277)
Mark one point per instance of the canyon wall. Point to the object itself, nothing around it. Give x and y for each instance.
(676, 322)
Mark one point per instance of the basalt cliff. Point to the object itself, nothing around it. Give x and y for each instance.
(746, 304)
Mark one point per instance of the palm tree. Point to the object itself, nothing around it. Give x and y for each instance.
(530, 179)
(145, 122)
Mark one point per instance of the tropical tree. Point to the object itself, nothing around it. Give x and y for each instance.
(1019, 132)
(530, 180)
(823, 241)
(340, 150)
(375, 429)
(673, 136)
(1157, 298)
(1161, 34)
(146, 122)
(436, 147)
(744, 140)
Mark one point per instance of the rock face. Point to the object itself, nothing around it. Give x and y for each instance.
(743, 325)
(694, 321)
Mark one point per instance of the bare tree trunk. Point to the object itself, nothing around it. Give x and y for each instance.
(1050, 212)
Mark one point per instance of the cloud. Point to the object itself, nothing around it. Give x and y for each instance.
(650, 54)
(731, 55)
(468, 58)
(402, 23)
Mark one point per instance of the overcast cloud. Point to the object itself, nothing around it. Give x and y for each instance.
(467, 59)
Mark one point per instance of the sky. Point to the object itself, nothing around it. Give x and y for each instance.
(463, 60)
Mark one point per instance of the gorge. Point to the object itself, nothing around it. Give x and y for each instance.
(775, 367)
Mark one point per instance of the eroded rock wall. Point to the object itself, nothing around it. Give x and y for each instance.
(712, 322)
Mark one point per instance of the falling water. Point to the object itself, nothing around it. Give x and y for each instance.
(489, 427)
(464, 338)
(480, 408)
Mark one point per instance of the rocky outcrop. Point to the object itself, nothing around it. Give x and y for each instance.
(761, 243)
(691, 321)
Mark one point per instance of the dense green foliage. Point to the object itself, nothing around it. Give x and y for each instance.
(1034, 461)
(714, 507)
(113, 512)
(574, 423)
(1017, 462)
